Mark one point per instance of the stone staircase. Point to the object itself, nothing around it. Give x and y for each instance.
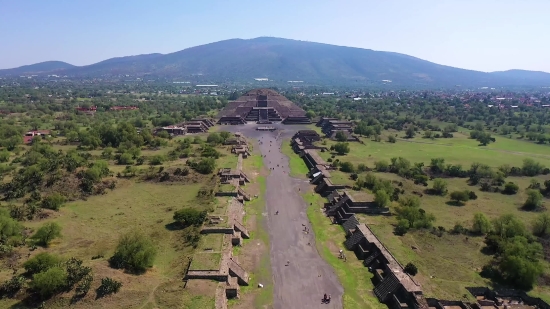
(236, 270)
(245, 196)
(385, 288)
(241, 228)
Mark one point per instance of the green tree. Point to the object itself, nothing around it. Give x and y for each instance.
(381, 198)
(534, 200)
(541, 225)
(439, 186)
(214, 138)
(460, 197)
(411, 269)
(341, 136)
(531, 167)
(410, 133)
(347, 167)
(481, 224)
(49, 282)
(46, 233)
(53, 201)
(41, 262)
(190, 216)
(510, 188)
(135, 252)
(342, 148)
(125, 159)
(225, 135)
(391, 139)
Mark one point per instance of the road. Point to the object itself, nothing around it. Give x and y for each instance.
(300, 275)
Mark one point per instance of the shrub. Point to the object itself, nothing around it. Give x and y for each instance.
(125, 159)
(190, 216)
(382, 166)
(341, 148)
(439, 186)
(460, 196)
(49, 282)
(510, 188)
(472, 195)
(47, 233)
(392, 139)
(411, 269)
(84, 285)
(157, 160)
(534, 200)
(481, 224)
(361, 168)
(10, 287)
(206, 166)
(381, 198)
(402, 227)
(41, 262)
(135, 252)
(531, 167)
(347, 167)
(541, 225)
(108, 286)
(53, 201)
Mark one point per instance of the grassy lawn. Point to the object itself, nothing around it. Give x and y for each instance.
(211, 242)
(457, 150)
(297, 167)
(226, 187)
(206, 261)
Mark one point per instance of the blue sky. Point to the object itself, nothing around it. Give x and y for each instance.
(485, 35)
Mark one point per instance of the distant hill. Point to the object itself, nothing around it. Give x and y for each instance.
(282, 60)
(37, 68)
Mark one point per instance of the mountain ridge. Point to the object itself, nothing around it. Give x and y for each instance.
(282, 59)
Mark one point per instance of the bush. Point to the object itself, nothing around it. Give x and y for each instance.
(439, 186)
(510, 188)
(41, 262)
(347, 167)
(531, 167)
(190, 216)
(49, 282)
(541, 225)
(135, 252)
(157, 160)
(381, 198)
(53, 201)
(472, 195)
(411, 269)
(10, 287)
(392, 139)
(125, 159)
(402, 227)
(460, 196)
(206, 166)
(534, 200)
(47, 233)
(341, 148)
(108, 286)
(481, 224)
(381, 166)
(361, 168)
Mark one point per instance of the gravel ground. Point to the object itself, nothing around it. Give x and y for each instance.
(300, 275)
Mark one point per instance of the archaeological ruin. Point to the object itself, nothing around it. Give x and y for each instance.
(262, 106)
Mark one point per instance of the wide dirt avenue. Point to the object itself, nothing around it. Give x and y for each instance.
(300, 275)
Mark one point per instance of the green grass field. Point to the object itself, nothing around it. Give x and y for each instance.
(446, 264)
(457, 150)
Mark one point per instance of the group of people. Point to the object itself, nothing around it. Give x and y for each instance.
(326, 299)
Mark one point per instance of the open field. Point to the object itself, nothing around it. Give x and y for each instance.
(446, 264)
(297, 167)
(456, 150)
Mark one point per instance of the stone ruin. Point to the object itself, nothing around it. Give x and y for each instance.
(228, 271)
(262, 106)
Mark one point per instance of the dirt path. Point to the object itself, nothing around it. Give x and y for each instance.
(302, 282)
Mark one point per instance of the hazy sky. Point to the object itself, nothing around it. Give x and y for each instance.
(486, 35)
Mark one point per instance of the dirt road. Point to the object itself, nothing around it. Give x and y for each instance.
(300, 275)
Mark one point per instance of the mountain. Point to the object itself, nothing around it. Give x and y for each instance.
(282, 60)
(37, 68)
